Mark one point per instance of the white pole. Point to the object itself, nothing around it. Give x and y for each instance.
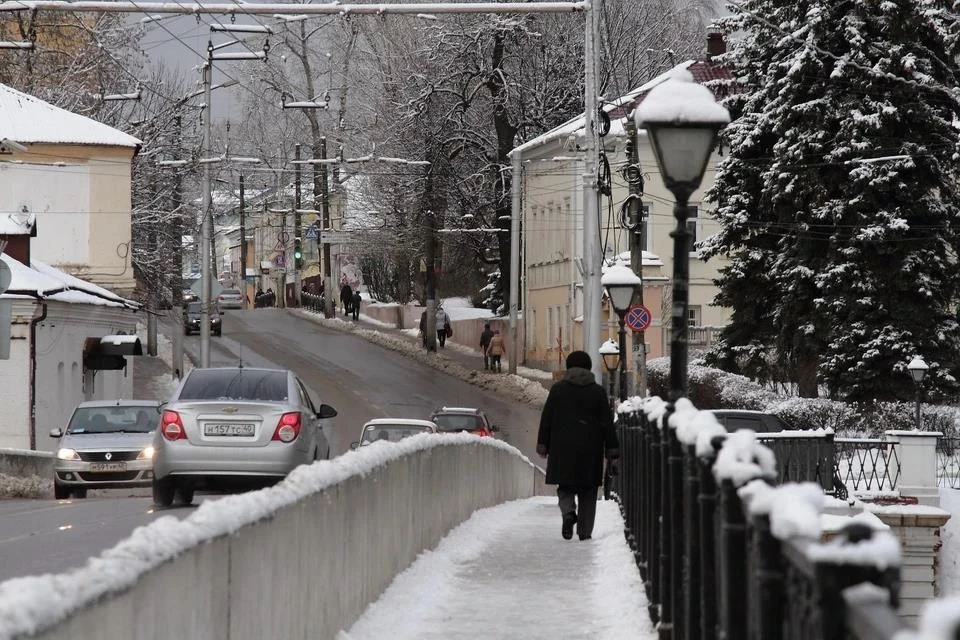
(206, 222)
(591, 225)
(514, 355)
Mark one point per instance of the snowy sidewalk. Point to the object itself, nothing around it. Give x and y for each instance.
(507, 573)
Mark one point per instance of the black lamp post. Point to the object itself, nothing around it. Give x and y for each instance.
(682, 120)
(610, 353)
(621, 284)
(918, 371)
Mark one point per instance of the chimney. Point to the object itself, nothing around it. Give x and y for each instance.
(716, 45)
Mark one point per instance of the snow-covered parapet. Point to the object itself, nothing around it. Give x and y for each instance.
(742, 459)
(656, 408)
(794, 508)
(881, 551)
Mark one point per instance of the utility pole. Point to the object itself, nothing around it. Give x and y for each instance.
(243, 246)
(431, 276)
(636, 229)
(592, 289)
(328, 307)
(176, 286)
(206, 222)
(297, 231)
(515, 279)
(282, 281)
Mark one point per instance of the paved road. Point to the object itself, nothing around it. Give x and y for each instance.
(362, 381)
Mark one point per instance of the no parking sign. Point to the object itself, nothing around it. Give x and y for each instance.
(638, 318)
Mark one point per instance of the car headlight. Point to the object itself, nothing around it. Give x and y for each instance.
(68, 454)
(147, 453)
(216, 320)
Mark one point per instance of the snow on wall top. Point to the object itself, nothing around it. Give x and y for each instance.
(882, 550)
(25, 118)
(29, 604)
(939, 619)
(742, 459)
(47, 283)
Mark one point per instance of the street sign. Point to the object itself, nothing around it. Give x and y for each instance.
(338, 237)
(638, 318)
(311, 233)
(279, 260)
(5, 276)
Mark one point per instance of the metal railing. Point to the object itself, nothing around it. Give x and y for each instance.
(805, 457)
(948, 462)
(312, 302)
(710, 570)
(265, 300)
(867, 464)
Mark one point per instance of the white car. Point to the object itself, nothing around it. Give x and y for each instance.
(392, 430)
(230, 299)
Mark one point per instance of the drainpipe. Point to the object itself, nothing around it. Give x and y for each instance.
(33, 373)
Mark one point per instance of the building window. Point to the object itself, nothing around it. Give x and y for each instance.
(692, 224)
(693, 316)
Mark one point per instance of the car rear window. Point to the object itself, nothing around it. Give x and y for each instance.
(230, 292)
(235, 384)
(126, 419)
(455, 422)
(391, 432)
(194, 307)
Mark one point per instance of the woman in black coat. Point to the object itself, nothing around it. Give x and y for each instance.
(576, 432)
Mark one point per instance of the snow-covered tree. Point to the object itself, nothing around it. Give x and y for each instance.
(838, 194)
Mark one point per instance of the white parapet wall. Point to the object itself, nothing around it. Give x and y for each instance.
(301, 559)
(23, 463)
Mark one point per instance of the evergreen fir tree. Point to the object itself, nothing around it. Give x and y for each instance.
(838, 198)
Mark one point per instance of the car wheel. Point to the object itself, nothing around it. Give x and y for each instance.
(80, 493)
(60, 492)
(185, 495)
(163, 491)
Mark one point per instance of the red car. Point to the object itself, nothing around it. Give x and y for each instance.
(463, 420)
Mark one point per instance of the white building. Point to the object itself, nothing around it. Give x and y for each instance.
(59, 356)
(74, 178)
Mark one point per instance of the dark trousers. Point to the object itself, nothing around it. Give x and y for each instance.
(442, 336)
(356, 312)
(583, 502)
(495, 363)
(486, 360)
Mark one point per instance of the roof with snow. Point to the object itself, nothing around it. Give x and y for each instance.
(25, 118)
(43, 282)
(702, 72)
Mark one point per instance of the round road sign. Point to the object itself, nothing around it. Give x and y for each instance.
(638, 318)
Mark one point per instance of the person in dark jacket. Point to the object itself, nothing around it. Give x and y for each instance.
(576, 431)
(485, 339)
(356, 304)
(346, 298)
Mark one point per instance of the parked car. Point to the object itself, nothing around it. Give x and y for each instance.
(463, 419)
(107, 444)
(189, 296)
(392, 430)
(734, 419)
(230, 299)
(194, 316)
(235, 427)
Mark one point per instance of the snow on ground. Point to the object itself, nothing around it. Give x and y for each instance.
(377, 323)
(27, 487)
(527, 372)
(162, 387)
(463, 309)
(507, 573)
(513, 386)
(948, 571)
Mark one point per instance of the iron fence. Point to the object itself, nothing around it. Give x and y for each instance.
(867, 464)
(948, 462)
(312, 302)
(711, 571)
(806, 457)
(262, 300)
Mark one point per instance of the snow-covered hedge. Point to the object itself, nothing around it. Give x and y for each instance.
(712, 388)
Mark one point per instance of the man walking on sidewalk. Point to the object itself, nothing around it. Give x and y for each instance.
(485, 338)
(576, 431)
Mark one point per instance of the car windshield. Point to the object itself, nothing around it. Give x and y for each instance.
(391, 432)
(194, 307)
(127, 419)
(235, 384)
(458, 422)
(230, 292)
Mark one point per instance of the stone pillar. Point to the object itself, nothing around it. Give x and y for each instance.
(917, 452)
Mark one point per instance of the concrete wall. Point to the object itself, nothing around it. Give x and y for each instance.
(309, 569)
(23, 462)
(15, 380)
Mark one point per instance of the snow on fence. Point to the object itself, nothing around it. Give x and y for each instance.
(302, 558)
(726, 554)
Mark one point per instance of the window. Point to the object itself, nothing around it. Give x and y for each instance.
(693, 316)
(692, 224)
(235, 384)
(117, 419)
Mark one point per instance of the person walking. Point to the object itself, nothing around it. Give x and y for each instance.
(496, 349)
(356, 304)
(485, 338)
(346, 298)
(423, 328)
(443, 326)
(576, 432)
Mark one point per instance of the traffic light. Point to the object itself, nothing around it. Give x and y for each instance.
(297, 253)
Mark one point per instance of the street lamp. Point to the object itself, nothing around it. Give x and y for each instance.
(621, 284)
(682, 120)
(610, 353)
(918, 371)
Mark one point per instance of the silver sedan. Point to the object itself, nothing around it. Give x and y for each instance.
(107, 444)
(235, 428)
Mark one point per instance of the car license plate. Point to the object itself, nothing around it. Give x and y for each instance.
(104, 467)
(233, 429)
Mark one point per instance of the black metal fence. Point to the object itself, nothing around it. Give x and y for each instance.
(312, 302)
(867, 464)
(806, 457)
(712, 571)
(262, 300)
(948, 462)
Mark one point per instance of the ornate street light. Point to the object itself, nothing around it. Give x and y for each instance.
(610, 353)
(682, 120)
(621, 284)
(918, 371)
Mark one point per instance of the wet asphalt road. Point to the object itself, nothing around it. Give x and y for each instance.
(361, 380)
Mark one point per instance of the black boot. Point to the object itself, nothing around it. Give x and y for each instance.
(569, 520)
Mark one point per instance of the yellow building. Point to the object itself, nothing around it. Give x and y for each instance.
(552, 213)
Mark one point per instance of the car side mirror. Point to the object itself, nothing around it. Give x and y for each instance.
(56, 433)
(326, 411)
(354, 445)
